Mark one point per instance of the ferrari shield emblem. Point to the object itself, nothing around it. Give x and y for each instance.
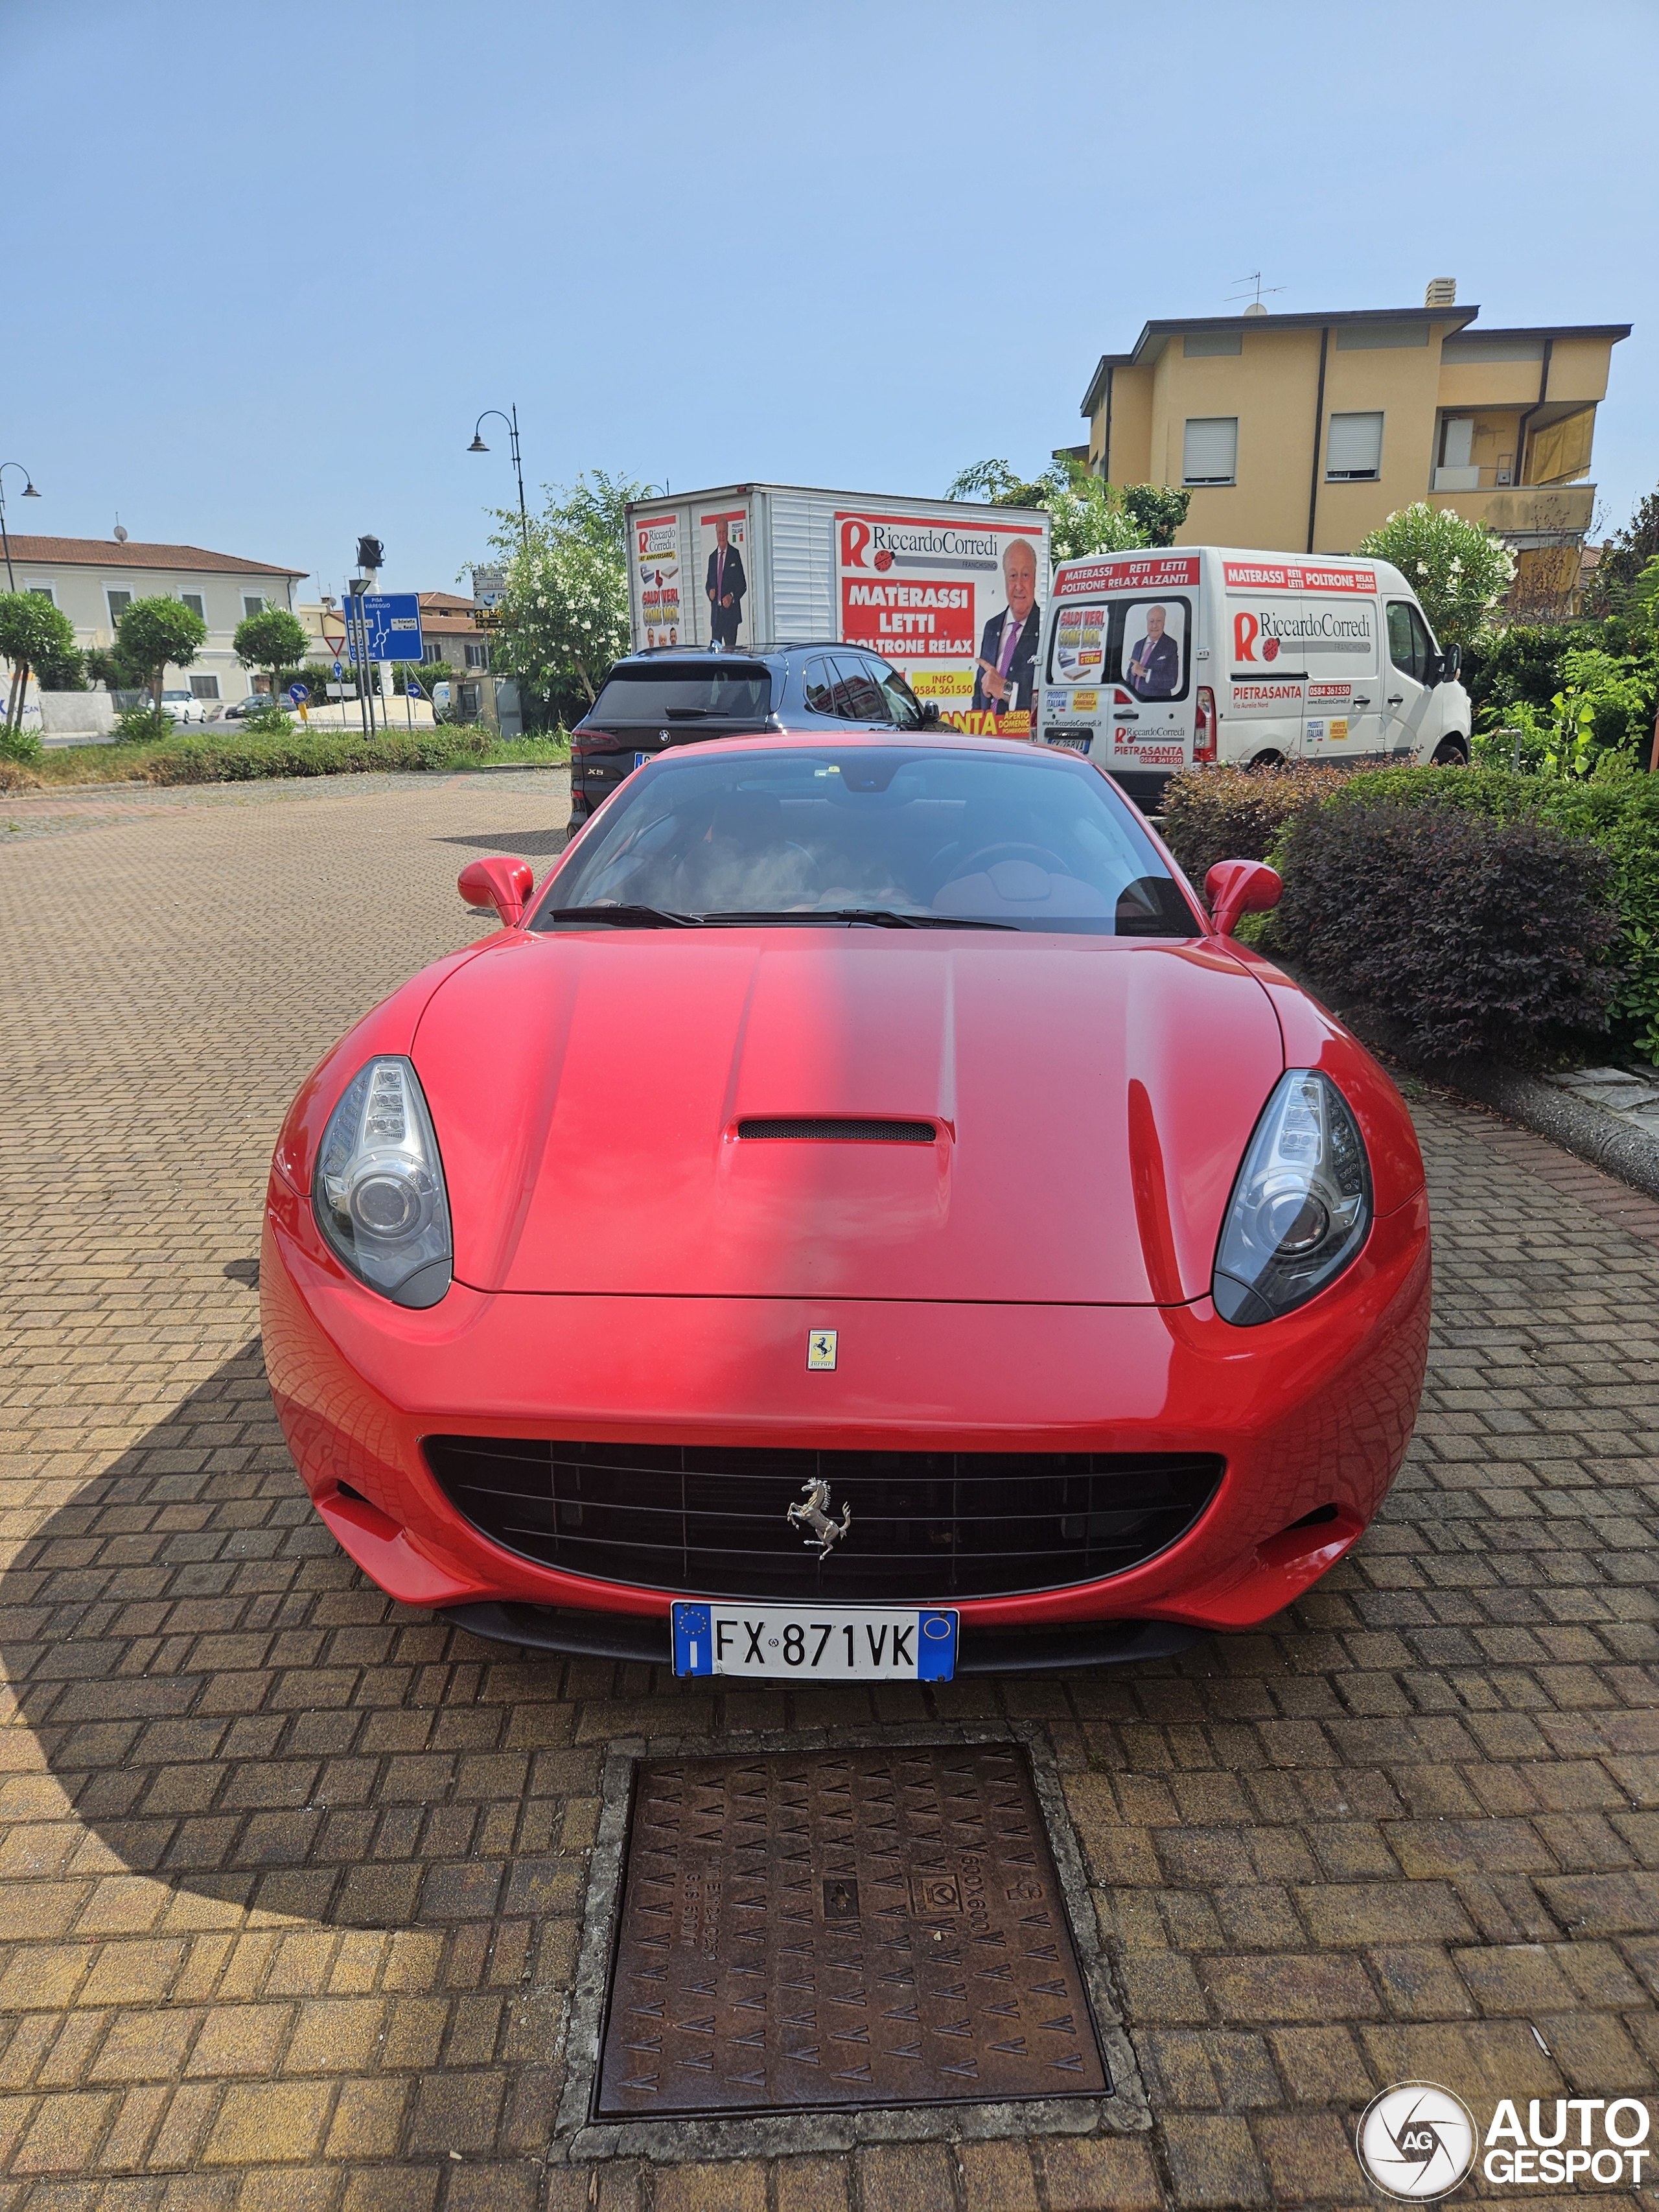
(820, 1350)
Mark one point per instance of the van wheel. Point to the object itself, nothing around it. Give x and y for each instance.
(1268, 759)
(1450, 752)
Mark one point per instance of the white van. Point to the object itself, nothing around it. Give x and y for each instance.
(1152, 661)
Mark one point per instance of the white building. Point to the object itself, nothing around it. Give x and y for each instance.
(93, 581)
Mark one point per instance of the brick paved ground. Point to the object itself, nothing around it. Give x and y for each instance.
(290, 1880)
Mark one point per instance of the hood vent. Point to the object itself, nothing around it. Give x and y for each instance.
(841, 1132)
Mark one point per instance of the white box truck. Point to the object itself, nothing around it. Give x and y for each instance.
(929, 584)
(1152, 661)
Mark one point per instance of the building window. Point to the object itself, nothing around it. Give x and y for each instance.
(44, 592)
(478, 656)
(430, 651)
(119, 604)
(1203, 345)
(466, 698)
(1209, 453)
(194, 601)
(203, 687)
(252, 604)
(1354, 448)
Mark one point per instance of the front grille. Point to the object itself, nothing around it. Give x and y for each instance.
(926, 1526)
(830, 1131)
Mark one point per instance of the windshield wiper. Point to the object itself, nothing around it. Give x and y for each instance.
(881, 917)
(624, 917)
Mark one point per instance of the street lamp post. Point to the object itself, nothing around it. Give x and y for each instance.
(29, 492)
(479, 446)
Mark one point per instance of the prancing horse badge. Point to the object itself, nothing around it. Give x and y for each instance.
(820, 1350)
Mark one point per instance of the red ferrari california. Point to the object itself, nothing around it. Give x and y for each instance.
(862, 1218)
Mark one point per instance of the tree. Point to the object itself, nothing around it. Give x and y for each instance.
(562, 617)
(155, 635)
(1160, 510)
(1624, 557)
(1460, 570)
(1085, 515)
(273, 640)
(32, 632)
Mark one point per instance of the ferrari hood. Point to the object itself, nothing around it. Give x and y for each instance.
(597, 1096)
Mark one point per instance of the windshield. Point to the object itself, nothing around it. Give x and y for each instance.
(691, 692)
(907, 834)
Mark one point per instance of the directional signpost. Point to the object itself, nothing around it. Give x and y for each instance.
(391, 626)
(299, 693)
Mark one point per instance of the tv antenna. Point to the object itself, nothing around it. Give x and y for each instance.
(1255, 288)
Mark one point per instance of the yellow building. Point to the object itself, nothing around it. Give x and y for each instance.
(1300, 433)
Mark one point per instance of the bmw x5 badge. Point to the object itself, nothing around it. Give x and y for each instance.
(820, 1350)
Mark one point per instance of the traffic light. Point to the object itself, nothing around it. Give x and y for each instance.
(370, 554)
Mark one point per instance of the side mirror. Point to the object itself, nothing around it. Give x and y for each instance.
(1451, 663)
(930, 713)
(505, 885)
(1235, 888)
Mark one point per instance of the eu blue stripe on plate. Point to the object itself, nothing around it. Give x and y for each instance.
(936, 1647)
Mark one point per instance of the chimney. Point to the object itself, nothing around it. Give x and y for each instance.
(1442, 292)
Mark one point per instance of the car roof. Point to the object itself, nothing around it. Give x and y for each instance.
(930, 740)
(700, 656)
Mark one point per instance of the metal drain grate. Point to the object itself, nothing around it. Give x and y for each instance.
(854, 1928)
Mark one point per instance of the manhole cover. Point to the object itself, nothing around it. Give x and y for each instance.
(861, 1927)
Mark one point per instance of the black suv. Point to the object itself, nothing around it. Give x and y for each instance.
(669, 696)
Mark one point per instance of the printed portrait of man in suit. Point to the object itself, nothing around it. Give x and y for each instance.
(1004, 681)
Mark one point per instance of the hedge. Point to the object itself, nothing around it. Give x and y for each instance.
(1619, 812)
(1470, 934)
(1227, 813)
(249, 754)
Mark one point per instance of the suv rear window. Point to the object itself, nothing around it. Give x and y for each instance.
(698, 692)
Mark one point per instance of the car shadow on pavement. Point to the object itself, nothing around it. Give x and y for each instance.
(529, 844)
(238, 1715)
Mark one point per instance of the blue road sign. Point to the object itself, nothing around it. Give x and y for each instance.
(299, 693)
(339, 672)
(392, 620)
(413, 687)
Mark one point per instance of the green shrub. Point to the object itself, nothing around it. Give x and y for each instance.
(249, 757)
(1617, 807)
(1472, 932)
(1227, 813)
(141, 726)
(19, 743)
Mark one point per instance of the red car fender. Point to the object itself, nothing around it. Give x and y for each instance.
(388, 1027)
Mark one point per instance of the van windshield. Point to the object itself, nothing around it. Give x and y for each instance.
(900, 835)
(656, 691)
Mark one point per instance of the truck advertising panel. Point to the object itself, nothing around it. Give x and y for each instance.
(723, 546)
(657, 580)
(957, 607)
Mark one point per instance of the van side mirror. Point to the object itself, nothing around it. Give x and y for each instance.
(930, 713)
(1451, 663)
(505, 885)
(1235, 888)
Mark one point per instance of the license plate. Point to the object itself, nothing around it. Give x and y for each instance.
(820, 1642)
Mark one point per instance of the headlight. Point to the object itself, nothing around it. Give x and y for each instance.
(379, 1194)
(1301, 1206)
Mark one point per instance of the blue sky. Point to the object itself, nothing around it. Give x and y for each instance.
(858, 244)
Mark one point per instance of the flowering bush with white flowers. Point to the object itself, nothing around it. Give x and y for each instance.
(1459, 570)
(561, 618)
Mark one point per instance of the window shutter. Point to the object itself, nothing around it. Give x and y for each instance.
(1210, 449)
(1353, 445)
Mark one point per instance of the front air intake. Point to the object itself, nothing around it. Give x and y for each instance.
(841, 1132)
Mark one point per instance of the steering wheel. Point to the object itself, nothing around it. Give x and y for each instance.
(990, 854)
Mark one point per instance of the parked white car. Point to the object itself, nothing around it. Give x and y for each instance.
(183, 706)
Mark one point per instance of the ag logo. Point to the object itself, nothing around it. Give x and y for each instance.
(1416, 2141)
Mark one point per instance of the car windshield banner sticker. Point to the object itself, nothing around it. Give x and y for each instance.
(957, 608)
